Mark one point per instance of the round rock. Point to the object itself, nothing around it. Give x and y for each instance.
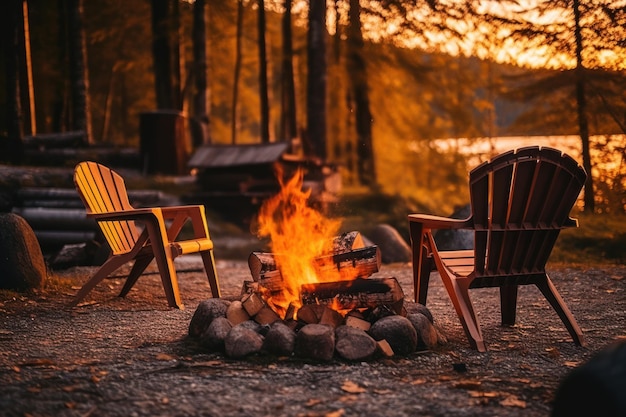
(316, 341)
(280, 339)
(427, 337)
(413, 307)
(214, 336)
(21, 261)
(354, 344)
(241, 342)
(398, 331)
(393, 247)
(206, 312)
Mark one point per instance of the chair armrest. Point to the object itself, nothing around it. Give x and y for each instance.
(172, 211)
(135, 214)
(437, 222)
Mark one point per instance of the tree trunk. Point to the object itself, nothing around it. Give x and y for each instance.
(237, 74)
(161, 55)
(176, 61)
(315, 142)
(358, 75)
(26, 68)
(11, 11)
(263, 91)
(202, 93)
(581, 105)
(79, 73)
(288, 98)
(61, 120)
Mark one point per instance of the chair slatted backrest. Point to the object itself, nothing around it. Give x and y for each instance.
(520, 202)
(103, 190)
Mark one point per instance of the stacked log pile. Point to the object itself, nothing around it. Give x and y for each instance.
(58, 216)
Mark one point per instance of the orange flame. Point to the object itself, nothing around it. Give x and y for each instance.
(298, 234)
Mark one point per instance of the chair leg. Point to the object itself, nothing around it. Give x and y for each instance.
(140, 265)
(209, 266)
(508, 304)
(459, 295)
(421, 260)
(424, 278)
(105, 270)
(165, 263)
(554, 298)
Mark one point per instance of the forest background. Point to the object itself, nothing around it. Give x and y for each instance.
(411, 75)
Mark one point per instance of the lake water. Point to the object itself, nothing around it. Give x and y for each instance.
(481, 149)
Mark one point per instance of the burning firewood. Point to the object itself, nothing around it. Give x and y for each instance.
(355, 294)
(358, 263)
(263, 263)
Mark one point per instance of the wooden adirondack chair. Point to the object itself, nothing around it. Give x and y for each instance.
(520, 201)
(104, 194)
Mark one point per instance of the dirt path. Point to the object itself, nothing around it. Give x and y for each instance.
(130, 357)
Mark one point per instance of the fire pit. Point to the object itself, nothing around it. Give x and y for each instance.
(313, 294)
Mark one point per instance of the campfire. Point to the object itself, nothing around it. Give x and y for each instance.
(313, 293)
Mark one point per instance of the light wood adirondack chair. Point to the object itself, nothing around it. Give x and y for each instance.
(520, 201)
(141, 234)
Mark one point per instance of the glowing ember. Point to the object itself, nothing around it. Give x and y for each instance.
(298, 234)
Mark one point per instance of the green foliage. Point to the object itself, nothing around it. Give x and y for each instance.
(600, 238)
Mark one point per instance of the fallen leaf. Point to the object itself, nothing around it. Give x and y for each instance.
(164, 357)
(483, 394)
(38, 362)
(206, 363)
(352, 388)
(418, 381)
(513, 401)
(313, 402)
(350, 398)
(467, 384)
(526, 367)
(383, 391)
(571, 364)
(553, 352)
(337, 413)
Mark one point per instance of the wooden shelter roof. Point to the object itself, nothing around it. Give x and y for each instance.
(214, 156)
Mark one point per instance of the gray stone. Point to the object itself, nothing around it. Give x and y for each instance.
(393, 247)
(214, 336)
(459, 239)
(398, 331)
(316, 341)
(206, 312)
(21, 260)
(280, 339)
(354, 344)
(427, 336)
(252, 325)
(71, 255)
(242, 341)
(413, 307)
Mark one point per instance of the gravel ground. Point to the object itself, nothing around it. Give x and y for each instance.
(131, 357)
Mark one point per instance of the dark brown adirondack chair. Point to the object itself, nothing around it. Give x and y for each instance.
(520, 201)
(104, 194)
